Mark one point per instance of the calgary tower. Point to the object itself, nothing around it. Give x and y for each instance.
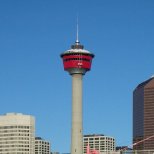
(77, 61)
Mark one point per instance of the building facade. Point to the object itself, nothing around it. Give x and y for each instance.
(143, 115)
(41, 146)
(98, 142)
(17, 133)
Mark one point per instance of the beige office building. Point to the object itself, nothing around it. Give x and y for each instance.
(17, 134)
(41, 146)
(99, 142)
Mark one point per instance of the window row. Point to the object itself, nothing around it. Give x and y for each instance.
(82, 59)
(12, 127)
(2, 135)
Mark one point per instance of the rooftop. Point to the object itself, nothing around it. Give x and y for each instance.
(145, 82)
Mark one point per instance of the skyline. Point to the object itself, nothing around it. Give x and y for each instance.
(33, 34)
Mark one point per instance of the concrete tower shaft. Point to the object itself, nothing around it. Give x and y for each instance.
(76, 135)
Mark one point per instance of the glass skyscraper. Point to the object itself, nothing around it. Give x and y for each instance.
(143, 115)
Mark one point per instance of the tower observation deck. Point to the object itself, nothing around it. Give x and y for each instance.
(77, 61)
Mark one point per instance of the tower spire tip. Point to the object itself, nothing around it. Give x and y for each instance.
(77, 32)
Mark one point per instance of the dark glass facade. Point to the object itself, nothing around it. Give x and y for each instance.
(143, 115)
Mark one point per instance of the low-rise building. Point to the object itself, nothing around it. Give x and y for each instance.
(41, 146)
(98, 142)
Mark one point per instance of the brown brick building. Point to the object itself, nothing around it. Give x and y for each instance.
(143, 115)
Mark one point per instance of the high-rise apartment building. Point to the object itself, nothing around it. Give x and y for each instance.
(41, 146)
(143, 115)
(17, 133)
(98, 142)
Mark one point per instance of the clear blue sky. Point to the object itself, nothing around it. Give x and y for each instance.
(33, 33)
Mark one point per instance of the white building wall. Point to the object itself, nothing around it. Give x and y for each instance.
(41, 146)
(100, 143)
(17, 134)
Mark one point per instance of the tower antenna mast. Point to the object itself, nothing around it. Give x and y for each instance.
(77, 30)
